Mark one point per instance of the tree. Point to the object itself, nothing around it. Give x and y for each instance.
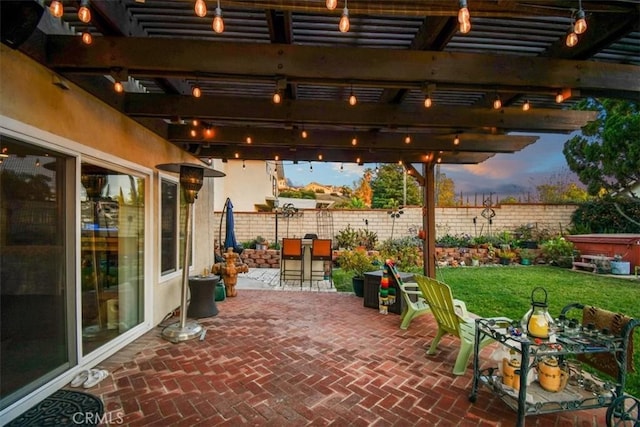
(561, 188)
(445, 190)
(606, 156)
(363, 190)
(388, 191)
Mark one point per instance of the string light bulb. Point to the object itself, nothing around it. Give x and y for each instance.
(464, 18)
(277, 98)
(352, 98)
(407, 139)
(218, 23)
(331, 4)
(526, 106)
(344, 19)
(456, 140)
(38, 163)
(208, 132)
(559, 97)
(84, 13)
(249, 140)
(118, 87)
(243, 165)
(428, 102)
(196, 91)
(320, 157)
(236, 155)
(358, 160)
(497, 103)
(572, 37)
(195, 122)
(341, 167)
(193, 133)
(581, 22)
(87, 38)
(200, 8)
(310, 167)
(276, 158)
(354, 141)
(304, 133)
(56, 8)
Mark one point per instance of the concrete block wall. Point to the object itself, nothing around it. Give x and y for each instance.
(454, 221)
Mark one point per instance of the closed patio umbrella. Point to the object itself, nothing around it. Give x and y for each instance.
(229, 234)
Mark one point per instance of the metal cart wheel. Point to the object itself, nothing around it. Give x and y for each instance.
(624, 412)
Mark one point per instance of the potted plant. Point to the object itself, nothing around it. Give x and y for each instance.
(506, 257)
(559, 251)
(261, 243)
(527, 256)
(475, 259)
(358, 262)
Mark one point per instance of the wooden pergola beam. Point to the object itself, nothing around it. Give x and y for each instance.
(160, 57)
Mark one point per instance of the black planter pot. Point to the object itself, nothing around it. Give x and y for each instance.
(358, 286)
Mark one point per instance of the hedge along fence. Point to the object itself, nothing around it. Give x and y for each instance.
(449, 220)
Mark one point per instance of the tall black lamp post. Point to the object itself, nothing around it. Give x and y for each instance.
(191, 180)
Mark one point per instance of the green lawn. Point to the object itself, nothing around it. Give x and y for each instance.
(506, 291)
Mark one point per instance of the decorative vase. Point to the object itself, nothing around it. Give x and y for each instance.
(358, 286)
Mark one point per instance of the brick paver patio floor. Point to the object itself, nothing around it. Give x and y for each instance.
(303, 358)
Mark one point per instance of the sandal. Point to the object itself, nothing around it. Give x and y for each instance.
(95, 376)
(80, 379)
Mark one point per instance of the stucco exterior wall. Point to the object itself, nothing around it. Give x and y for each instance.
(75, 122)
(456, 220)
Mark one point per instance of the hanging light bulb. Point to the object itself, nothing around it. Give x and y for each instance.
(354, 141)
(400, 162)
(358, 160)
(195, 122)
(304, 133)
(87, 38)
(456, 140)
(581, 22)
(193, 133)
(572, 37)
(341, 167)
(377, 168)
(310, 167)
(559, 97)
(118, 87)
(243, 165)
(497, 103)
(439, 159)
(320, 157)
(196, 91)
(84, 13)
(56, 8)
(277, 98)
(526, 106)
(218, 23)
(407, 139)
(209, 161)
(428, 102)
(200, 8)
(37, 163)
(332, 4)
(249, 140)
(352, 98)
(344, 19)
(276, 158)
(208, 132)
(464, 18)
(236, 155)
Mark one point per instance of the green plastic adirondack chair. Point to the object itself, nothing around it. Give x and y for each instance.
(452, 318)
(412, 308)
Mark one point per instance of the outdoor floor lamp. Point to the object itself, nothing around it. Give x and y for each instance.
(191, 180)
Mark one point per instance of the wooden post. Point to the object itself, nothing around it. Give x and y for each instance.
(429, 220)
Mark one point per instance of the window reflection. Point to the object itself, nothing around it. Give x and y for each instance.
(112, 226)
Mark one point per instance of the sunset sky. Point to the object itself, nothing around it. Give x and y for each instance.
(505, 174)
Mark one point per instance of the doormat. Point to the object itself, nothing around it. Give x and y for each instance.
(63, 408)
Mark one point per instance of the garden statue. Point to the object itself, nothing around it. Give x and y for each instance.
(229, 271)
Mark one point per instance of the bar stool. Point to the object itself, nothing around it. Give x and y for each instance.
(321, 251)
(292, 250)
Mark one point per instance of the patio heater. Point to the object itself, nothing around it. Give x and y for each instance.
(191, 180)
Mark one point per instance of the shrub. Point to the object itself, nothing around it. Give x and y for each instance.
(406, 251)
(602, 216)
(358, 262)
(558, 251)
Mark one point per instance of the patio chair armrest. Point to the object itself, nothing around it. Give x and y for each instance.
(460, 307)
(405, 285)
